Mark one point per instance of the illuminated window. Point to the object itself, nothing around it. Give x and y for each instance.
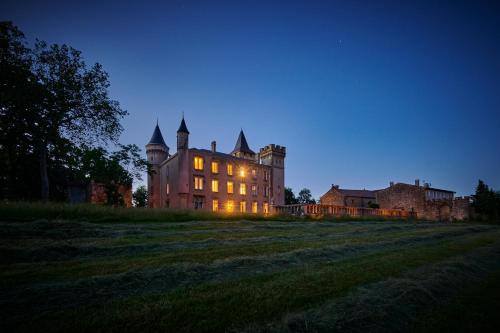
(215, 167)
(230, 206)
(215, 205)
(254, 207)
(229, 169)
(243, 189)
(168, 188)
(265, 208)
(229, 187)
(254, 173)
(242, 172)
(198, 163)
(254, 189)
(243, 206)
(198, 183)
(215, 185)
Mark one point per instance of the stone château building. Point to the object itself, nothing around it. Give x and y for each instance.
(193, 178)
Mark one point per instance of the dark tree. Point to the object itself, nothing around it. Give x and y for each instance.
(305, 197)
(486, 201)
(111, 169)
(290, 197)
(52, 97)
(140, 196)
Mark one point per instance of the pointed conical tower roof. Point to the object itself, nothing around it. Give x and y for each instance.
(242, 145)
(157, 138)
(183, 127)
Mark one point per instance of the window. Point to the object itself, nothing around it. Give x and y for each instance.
(243, 206)
(198, 202)
(198, 163)
(266, 175)
(230, 206)
(168, 188)
(215, 167)
(266, 191)
(215, 205)
(254, 173)
(242, 173)
(254, 189)
(215, 185)
(265, 208)
(243, 189)
(229, 169)
(229, 187)
(254, 207)
(198, 183)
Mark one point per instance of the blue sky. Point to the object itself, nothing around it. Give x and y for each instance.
(360, 92)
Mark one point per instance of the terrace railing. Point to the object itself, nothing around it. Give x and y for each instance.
(334, 210)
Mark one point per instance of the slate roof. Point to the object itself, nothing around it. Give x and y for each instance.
(357, 193)
(157, 138)
(183, 128)
(242, 145)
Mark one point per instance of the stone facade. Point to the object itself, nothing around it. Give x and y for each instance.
(192, 178)
(429, 203)
(349, 198)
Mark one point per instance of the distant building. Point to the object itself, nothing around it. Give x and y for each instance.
(350, 198)
(95, 193)
(428, 202)
(192, 178)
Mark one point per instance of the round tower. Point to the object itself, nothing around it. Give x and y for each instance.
(156, 151)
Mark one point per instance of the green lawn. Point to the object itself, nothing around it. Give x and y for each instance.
(253, 276)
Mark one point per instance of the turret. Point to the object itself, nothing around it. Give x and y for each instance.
(241, 149)
(184, 165)
(274, 155)
(157, 152)
(182, 136)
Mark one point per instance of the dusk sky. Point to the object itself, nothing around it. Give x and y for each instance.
(360, 92)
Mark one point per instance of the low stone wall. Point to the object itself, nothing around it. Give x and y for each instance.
(335, 210)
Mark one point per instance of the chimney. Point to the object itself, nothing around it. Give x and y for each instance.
(391, 184)
(417, 182)
(213, 144)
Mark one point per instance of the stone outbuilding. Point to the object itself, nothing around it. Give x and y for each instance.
(428, 202)
(350, 198)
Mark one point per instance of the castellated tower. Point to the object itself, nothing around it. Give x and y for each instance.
(274, 155)
(157, 152)
(184, 165)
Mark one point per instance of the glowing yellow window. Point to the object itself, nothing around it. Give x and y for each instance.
(243, 189)
(198, 163)
(242, 172)
(265, 208)
(198, 183)
(215, 167)
(229, 187)
(215, 205)
(229, 169)
(215, 185)
(243, 206)
(230, 206)
(254, 207)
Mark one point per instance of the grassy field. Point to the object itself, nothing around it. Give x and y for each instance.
(153, 273)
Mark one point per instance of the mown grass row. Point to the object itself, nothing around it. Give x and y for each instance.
(218, 306)
(81, 268)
